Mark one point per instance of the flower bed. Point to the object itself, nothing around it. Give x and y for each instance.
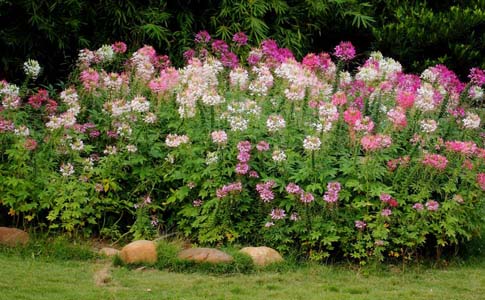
(248, 144)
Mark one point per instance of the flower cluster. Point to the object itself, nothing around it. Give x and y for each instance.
(235, 187)
(264, 190)
(333, 189)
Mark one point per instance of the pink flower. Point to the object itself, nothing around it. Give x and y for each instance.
(244, 146)
(30, 144)
(385, 197)
(331, 195)
(432, 205)
(253, 174)
(352, 115)
(436, 161)
(345, 51)
(375, 142)
(36, 100)
(386, 212)
(294, 217)
(219, 137)
(361, 225)
(230, 188)
(277, 214)
(418, 206)
(264, 190)
(240, 38)
(306, 197)
(311, 61)
(398, 118)
(465, 148)
(197, 203)
(268, 224)
(89, 78)
(339, 98)
(405, 99)
(477, 76)
(293, 189)
(243, 157)
(202, 37)
(481, 180)
(119, 47)
(242, 168)
(262, 146)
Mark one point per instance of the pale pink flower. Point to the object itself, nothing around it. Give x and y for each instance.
(219, 137)
(432, 205)
(361, 225)
(277, 214)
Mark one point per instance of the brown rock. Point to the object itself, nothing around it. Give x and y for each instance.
(13, 237)
(109, 252)
(262, 256)
(139, 252)
(209, 255)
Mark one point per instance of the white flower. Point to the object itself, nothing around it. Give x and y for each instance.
(131, 148)
(150, 118)
(211, 158)
(275, 123)
(471, 121)
(32, 68)
(77, 145)
(140, 104)
(311, 143)
(22, 130)
(476, 92)
(105, 53)
(428, 126)
(278, 155)
(66, 169)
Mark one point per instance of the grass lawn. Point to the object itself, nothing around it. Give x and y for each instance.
(38, 278)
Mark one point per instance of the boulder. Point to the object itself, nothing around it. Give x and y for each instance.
(262, 256)
(141, 251)
(109, 252)
(13, 237)
(208, 255)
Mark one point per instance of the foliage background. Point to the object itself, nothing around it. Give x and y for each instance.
(416, 33)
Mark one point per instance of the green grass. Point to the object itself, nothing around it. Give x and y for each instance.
(25, 277)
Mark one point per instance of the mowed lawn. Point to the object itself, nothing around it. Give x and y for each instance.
(27, 278)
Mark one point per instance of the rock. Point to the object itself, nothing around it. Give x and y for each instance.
(209, 255)
(13, 237)
(109, 252)
(139, 252)
(262, 256)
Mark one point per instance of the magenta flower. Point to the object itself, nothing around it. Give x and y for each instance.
(219, 46)
(477, 76)
(240, 38)
(202, 37)
(345, 51)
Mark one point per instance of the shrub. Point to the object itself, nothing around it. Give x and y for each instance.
(257, 148)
